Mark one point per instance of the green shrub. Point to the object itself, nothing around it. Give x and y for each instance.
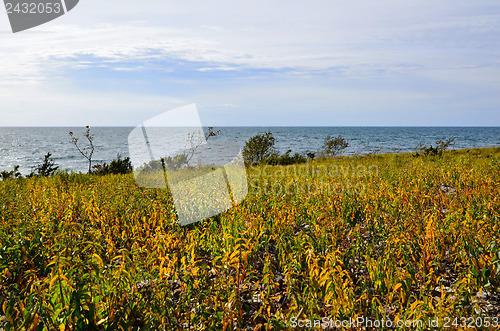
(10, 174)
(259, 148)
(116, 167)
(286, 159)
(46, 169)
(334, 146)
(171, 163)
(434, 151)
(151, 166)
(176, 162)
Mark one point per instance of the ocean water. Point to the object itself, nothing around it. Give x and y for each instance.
(27, 146)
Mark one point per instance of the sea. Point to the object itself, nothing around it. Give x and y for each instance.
(27, 146)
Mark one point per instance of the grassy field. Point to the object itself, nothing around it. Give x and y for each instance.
(373, 237)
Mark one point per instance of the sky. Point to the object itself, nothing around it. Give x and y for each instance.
(257, 63)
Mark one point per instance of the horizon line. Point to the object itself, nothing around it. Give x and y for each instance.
(267, 126)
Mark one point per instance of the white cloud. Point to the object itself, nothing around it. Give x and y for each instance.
(322, 44)
(45, 106)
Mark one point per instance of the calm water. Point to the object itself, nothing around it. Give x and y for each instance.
(27, 146)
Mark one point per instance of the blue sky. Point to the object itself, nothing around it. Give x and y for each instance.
(260, 63)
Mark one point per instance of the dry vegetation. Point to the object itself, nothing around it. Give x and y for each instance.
(380, 236)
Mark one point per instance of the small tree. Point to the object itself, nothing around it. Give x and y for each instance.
(86, 151)
(435, 151)
(259, 148)
(334, 146)
(176, 162)
(11, 174)
(46, 169)
(211, 133)
(443, 145)
(195, 140)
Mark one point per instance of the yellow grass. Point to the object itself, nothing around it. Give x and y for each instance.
(381, 236)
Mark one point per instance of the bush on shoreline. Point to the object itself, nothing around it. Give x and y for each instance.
(286, 159)
(333, 146)
(441, 146)
(13, 174)
(46, 169)
(116, 167)
(260, 149)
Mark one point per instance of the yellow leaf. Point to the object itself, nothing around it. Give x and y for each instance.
(414, 305)
(102, 321)
(329, 296)
(98, 259)
(52, 281)
(65, 278)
